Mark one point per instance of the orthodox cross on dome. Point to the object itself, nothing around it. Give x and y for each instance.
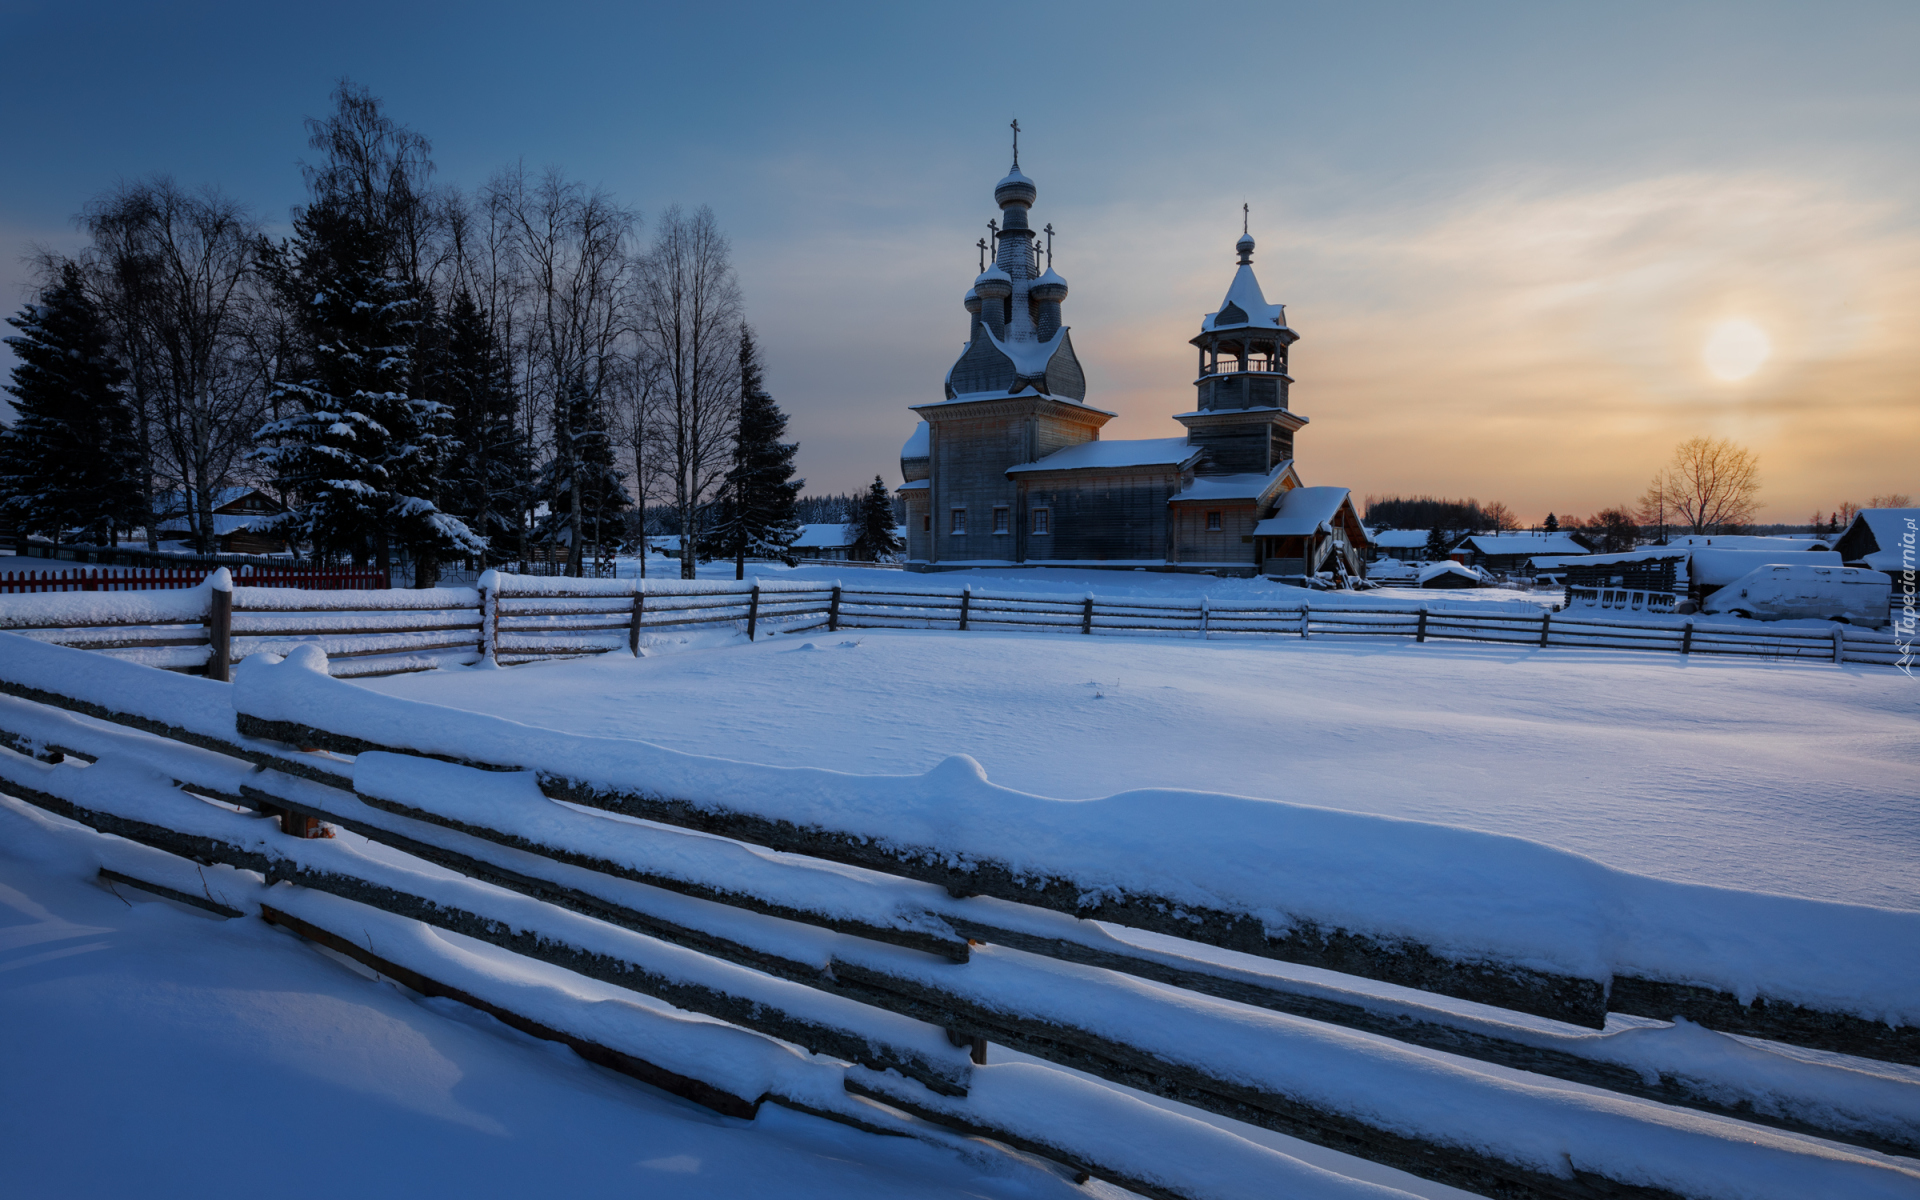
(982, 243)
(1016, 143)
(993, 228)
(1244, 211)
(1049, 232)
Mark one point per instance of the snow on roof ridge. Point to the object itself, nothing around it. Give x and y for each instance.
(1113, 453)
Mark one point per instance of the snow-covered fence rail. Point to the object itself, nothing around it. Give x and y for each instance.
(211, 626)
(834, 958)
(145, 579)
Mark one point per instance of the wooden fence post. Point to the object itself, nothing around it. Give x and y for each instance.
(1420, 633)
(639, 612)
(966, 601)
(220, 628)
(1839, 644)
(753, 609)
(833, 611)
(1686, 639)
(1305, 616)
(1206, 610)
(1545, 619)
(1086, 616)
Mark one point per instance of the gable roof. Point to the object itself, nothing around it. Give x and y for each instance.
(1216, 489)
(1115, 455)
(1401, 539)
(1880, 538)
(1525, 542)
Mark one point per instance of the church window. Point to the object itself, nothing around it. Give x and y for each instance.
(1043, 520)
(1213, 522)
(1001, 521)
(959, 525)
(926, 522)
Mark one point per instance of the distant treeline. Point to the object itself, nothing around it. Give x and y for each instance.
(1428, 512)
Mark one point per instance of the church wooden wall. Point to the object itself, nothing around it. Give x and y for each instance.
(1114, 517)
(1232, 543)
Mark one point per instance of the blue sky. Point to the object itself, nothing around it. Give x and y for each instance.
(1505, 232)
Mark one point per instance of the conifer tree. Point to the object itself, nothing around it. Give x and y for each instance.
(487, 466)
(1553, 524)
(582, 444)
(756, 514)
(360, 456)
(70, 461)
(874, 533)
(1439, 543)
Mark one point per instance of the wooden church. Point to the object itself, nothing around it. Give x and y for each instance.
(1010, 469)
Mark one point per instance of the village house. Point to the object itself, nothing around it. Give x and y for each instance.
(1009, 469)
(235, 509)
(1882, 539)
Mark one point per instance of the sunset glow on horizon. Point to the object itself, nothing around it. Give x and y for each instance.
(1513, 278)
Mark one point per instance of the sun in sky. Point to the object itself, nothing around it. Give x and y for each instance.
(1736, 349)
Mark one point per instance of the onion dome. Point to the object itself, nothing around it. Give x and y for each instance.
(1015, 189)
(1244, 247)
(1048, 287)
(993, 284)
(972, 301)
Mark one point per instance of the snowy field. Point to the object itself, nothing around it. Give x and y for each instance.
(1795, 778)
(172, 1054)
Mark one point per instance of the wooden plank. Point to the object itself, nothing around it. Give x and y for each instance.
(207, 903)
(697, 1090)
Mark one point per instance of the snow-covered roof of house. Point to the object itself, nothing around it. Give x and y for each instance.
(1118, 454)
(1400, 539)
(1253, 311)
(919, 442)
(1644, 554)
(1304, 511)
(172, 504)
(918, 485)
(1525, 541)
(1210, 489)
(1891, 529)
(1724, 541)
(820, 537)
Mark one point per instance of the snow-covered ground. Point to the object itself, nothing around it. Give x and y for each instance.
(1795, 778)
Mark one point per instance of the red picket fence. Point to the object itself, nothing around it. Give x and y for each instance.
(141, 579)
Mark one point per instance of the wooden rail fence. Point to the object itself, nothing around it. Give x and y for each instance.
(519, 619)
(850, 966)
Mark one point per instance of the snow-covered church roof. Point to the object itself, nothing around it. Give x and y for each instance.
(1304, 511)
(1245, 306)
(1117, 454)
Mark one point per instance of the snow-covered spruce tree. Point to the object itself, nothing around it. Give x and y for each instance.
(756, 514)
(1439, 543)
(358, 458)
(874, 536)
(487, 467)
(70, 462)
(581, 469)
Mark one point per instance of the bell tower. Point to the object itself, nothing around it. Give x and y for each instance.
(1242, 418)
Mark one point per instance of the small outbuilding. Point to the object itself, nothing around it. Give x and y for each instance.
(1883, 539)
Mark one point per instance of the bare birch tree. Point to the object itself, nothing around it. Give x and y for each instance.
(1710, 484)
(689, 317)
(571, 246)
(180, 267)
